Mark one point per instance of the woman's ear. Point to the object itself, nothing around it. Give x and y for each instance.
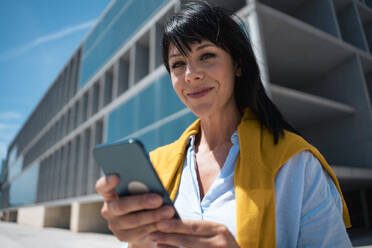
(238, 70)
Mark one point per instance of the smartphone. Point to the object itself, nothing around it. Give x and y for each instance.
(129, 160)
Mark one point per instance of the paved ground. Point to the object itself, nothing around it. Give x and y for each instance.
(18, 236)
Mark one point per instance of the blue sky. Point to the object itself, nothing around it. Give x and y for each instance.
(37, 39)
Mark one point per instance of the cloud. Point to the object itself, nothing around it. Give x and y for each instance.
(7, 116)
(44, 39)
(7, 131)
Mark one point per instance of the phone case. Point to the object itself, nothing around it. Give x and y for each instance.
(129, 160)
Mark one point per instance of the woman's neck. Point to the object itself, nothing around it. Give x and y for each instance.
(216, 129)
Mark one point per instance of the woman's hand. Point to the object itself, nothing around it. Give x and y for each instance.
(131, 218)
(187, 233)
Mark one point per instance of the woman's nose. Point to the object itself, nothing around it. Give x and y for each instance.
(193, 73)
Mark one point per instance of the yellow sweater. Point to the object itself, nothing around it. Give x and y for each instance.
(258, 163)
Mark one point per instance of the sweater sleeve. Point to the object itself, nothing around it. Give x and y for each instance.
(308, 206)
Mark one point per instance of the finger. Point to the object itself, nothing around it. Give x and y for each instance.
(105, 187)
(141, 218)
(128, 204)
(191, 227)
(177, 240)
(135, 234)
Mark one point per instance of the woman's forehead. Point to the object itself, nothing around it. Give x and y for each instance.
(192, 46)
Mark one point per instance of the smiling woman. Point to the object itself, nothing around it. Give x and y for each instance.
(240, 176)
(204, 78)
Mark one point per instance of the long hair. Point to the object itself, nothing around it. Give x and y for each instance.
(198, 21)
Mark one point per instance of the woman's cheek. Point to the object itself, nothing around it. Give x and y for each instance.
(178, 89)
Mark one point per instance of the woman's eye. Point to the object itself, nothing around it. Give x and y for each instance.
(207, 56)
(177, 64)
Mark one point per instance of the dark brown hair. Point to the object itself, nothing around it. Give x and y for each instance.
(197, 21)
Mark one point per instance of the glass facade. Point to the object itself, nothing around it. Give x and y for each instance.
(166, 133)
(15, 168)
(152, 104)
(12, 156)
(24, 188)
(123, 19)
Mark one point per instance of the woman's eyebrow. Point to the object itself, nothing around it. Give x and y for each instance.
(174, 55)
(204, 46)
(198, 48)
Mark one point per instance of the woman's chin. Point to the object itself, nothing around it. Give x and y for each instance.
(203, 111)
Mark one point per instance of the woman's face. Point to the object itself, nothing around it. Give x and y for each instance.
(204, 78)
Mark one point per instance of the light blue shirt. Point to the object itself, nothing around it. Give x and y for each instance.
(307, 204)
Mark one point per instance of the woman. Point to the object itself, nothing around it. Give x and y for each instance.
(240, 176)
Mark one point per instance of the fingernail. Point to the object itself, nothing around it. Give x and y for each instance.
(109, 178)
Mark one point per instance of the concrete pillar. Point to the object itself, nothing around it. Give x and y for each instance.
(156, 34)
(86, 217)
(41, 216)
(31, 216)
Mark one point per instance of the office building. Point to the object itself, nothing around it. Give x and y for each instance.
(316, 63)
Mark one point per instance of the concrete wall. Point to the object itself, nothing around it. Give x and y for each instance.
(86, 217)
(41, 216)
(31, 216)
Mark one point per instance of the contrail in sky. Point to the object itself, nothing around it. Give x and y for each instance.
(44, 39)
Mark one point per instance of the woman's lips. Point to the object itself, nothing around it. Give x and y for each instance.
(199, 93)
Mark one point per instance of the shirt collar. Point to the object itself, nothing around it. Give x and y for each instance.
(234, 139)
